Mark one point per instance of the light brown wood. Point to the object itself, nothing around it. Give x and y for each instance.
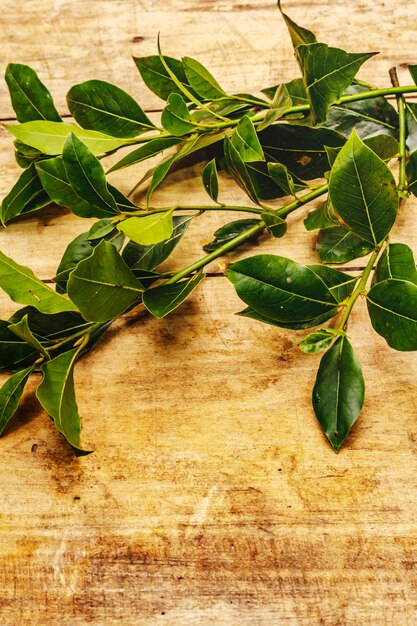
(212, 496)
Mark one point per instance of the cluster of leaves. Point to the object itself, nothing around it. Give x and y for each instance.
(322, 133)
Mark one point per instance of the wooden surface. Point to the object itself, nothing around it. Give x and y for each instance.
(211, 497)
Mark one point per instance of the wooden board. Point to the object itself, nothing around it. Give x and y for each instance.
(211, 497)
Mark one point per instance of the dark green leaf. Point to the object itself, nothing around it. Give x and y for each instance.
(339, 391)
(245, 141)
(26, 155)
(21, 329)
(317, 341)
(148, 258)
(280, 104)
(101, 229)
(149, 149)
(210, 180)
(30, 98)
(163, 168)
(149, 229)
(275, 224)
(280, 288)
(392, 306)
(412, 173)
(50, 137)
(14, 353)
(300, 148)
(156, 77)
(98, 105)
(339, 245)
(315, 321)
(238, 169)
(413, 72)
(397, 261)
(281, 176)
(102, 285)
(263, 183)
(163, 299)
(385, 146)
(363, 191)
(411, 123)
(26, 195)
(200, 79)
(176, 118)
(10, 394)
(56, 395)
(20, 283)
(230, 231)
(49, 327)
(321, 217)
(340, 284)
(87, 179)
(327, 72)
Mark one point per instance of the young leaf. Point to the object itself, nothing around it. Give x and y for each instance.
(363, 191)
(27, 195)
(317, 341)
(156, 77)
(176, 118)
(56, 395)
(20, 283)
(339, 245)
(339, 391)
(87, 179)
(163, 299)
(392, 307)
(281, 176)
(98, 105)
(230, 231)
(200, 79)
(30, 98)
(280, 288)
(275, 224)
(327, 72)
(321, 217)
(315, 321)
(397, 261)
(148, 258)
(102, 285)
(149, 229)
(50, 137)
(21, 329)
(280, 104)
(10, 394)
(149, 149)
(210, 180)
(300, 148)
(245, 141)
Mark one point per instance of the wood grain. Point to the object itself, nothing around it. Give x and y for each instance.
(212, 496)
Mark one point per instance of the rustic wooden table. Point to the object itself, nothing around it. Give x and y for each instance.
(211, 497)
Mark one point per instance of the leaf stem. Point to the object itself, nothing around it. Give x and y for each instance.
(194, 207)
(402, 177)
(359, 289)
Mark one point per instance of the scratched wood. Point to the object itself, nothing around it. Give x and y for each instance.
(211, 497)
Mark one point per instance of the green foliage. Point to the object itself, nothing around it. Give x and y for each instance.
(30, 98)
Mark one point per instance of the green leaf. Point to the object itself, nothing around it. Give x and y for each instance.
(238, 169)
(339, 283)
(245, 141)
(397, 261)
(21, 329)
(339, 391)
(20, 283)
(163, 168)
(149, 229)
(327, 72)
(156, 77)
(148, 258)
(30, 98)
(300, 148)
(385, 146)
(101, 229)
(149, 149)
(10, 394)
(392, 307)
(411, 124)
(163, 299)
(230, 231)
(280, 104)
(281, 176)
(317, 341)
(411, 171)
(280, 288)
(26, 195)
(275, 224)
(315, 321)
(321, 217)
(102, 286)
(200, 79)
(210, 180)
(50, 137)
(98, 105)
(369, 117)
(363, 191)
(15, 354)
(339, 245)
(176, 118)
(56, 395)
(50, 327)
(298, 34)
(26, 155)
(413, 72)
(87, 178)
